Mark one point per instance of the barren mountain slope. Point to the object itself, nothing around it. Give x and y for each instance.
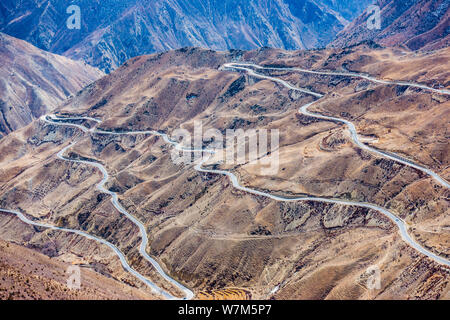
(203, 231)
(34, 82)
(409, 122)
(27, 274)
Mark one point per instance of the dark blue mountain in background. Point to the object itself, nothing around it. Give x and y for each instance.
(112, 31)
(415, 24)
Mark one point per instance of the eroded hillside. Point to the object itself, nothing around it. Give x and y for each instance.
(202, 230)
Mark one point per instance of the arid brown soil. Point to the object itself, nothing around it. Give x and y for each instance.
(210, 236)
(26, 274)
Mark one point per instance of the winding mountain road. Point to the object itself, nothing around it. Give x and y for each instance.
(116, 250)
(143, 233)
(54, 120)
(304, 110)
(337, 73)
(400, 223)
